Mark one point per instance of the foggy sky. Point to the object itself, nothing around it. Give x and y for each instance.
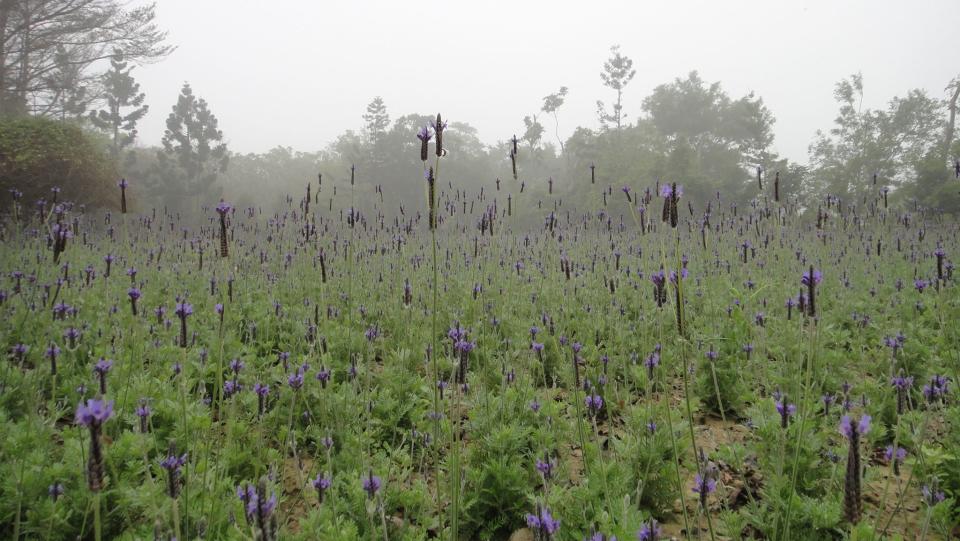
(298, 73)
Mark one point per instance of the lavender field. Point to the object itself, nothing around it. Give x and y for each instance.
(325, 373)
(656, 271)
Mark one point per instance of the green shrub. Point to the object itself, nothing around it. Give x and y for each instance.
(37, 154)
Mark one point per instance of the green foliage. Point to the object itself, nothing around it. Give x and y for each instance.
(892, 143)
(38, 154)
(495, 498)
(711, 138)
(723, 375)
(650, 476)
(499, 477)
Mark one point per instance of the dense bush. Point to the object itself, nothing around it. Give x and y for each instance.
(39, 154)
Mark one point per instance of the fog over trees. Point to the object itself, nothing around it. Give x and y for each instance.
(496, 270)
(77, 62)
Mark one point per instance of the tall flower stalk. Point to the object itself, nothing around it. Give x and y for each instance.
(223, 208)
(671, 194)
(173, 464)
(431, 174)
(92, 415)
(852, 502)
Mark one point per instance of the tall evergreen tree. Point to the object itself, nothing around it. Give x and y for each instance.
(121, 91)
(70, 92)
(377, 120)
(194, 154)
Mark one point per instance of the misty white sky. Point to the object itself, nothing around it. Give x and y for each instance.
(298, 73)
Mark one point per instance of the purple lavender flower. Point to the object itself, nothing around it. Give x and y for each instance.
(684, 273)
(134, 294)
(94, 413)
(173, 464)
(901, 385)
(103, 366)
(546, 467)
(183, 311)
(261, 391)
(143, 412)
(323, 376)
(817, 278)
(100, 370)
(456, 333)
(650, 531)
(424, 135)
(72, 334)
(371, 484)
(52, 353)
(847, 428)
(231, 387)
(534, 405)
(827, 399)
(937, 389)
(931, 495)
(651, 362)
(704, 485)
(594, 404)
(667, 191)
(543, 523)
(259, 508)
(321, 484)
(19, 351)
(236, 365)
(786, 411)
(896, 457)
(295, 380)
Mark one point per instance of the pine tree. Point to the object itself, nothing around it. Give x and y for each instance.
(121, 92)
(376, 122)
(193, 154)
(69, 93)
